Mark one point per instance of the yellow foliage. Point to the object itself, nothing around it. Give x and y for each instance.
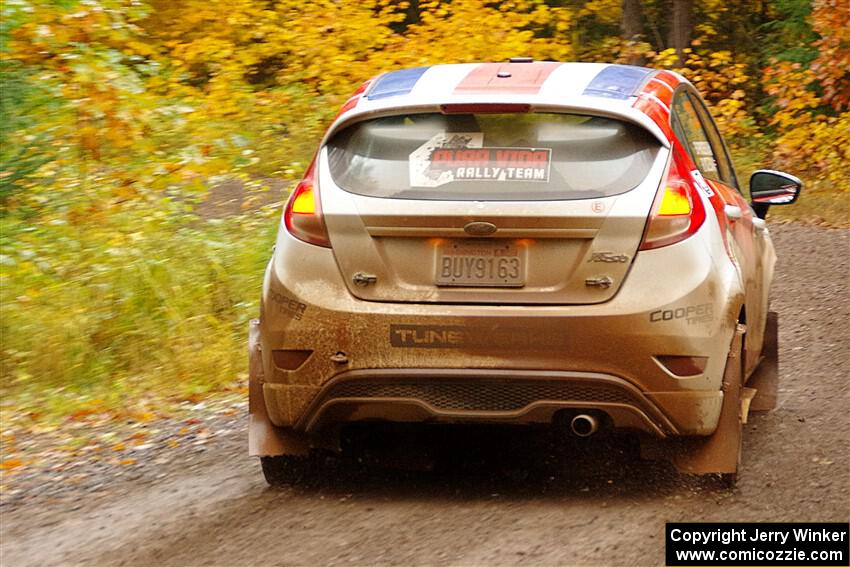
(809, 140)
(605, 11)
(722, 81)
(173, 93)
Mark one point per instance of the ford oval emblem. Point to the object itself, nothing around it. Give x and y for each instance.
(479, 228)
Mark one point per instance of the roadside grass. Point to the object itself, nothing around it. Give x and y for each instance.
(126, 314)
(820, 203)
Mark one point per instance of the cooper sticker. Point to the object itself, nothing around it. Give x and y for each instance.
(449, 157)
(702, 183)
(693, 314)
(288, 306)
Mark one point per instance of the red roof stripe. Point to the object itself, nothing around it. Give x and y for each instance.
(661, 83)
(353, 99)
(518, 78)
(659, 113)
(668, 77)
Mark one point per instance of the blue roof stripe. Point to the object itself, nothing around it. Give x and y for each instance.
(616, 81)
(396, 83)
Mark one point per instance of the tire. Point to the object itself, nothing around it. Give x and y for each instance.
(733, 397)
(765, 379)
(286, 470)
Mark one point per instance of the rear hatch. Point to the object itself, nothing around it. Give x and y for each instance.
(507, 208)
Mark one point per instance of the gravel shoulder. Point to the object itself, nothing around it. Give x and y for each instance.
(207, 504)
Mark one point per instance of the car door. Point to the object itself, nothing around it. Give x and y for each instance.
(748, 233)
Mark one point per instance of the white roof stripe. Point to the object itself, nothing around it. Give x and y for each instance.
(570, 79)
(441, 80)
(656, 99)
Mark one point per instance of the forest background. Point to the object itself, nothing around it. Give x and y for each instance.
(146, 147)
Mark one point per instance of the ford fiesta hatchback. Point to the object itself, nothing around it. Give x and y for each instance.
(519, 243)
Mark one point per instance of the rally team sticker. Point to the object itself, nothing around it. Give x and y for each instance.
(460, 156)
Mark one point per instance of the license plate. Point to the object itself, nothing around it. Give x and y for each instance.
(480, 264)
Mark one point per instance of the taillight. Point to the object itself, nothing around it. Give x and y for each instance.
(484, 108)
(676, 214)
(303, 213)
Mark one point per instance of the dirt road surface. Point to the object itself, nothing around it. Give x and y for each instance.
(589, 506)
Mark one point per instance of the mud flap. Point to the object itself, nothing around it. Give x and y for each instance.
(720, 452)
(765, 380)
(264, 439)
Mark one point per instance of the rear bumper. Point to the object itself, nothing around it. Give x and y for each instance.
(493, 396)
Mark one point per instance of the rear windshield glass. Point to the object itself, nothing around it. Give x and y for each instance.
(507, 157)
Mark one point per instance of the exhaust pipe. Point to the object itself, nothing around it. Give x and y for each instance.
(584, 425)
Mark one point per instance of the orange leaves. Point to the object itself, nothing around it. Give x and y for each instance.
(67, 448)
(818, 143)
(809, 140)
(10, 464)
(810, 104)
(88, 139)
(831, 20)
(723, 81)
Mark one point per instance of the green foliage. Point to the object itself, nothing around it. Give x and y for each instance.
(143, 297)
(21, 103)
(788, 34)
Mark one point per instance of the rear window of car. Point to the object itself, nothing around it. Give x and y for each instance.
(496, 157)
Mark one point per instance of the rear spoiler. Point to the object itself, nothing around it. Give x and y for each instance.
(592, 106)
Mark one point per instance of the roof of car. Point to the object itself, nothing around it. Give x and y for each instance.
(584, 87)
(533, 78)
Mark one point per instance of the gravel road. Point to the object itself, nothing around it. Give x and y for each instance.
(592, 506)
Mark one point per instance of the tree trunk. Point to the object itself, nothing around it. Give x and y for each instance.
(680, 28)
(414, 13)
(631, 27)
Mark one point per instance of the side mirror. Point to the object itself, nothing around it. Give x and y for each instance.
(769, 187)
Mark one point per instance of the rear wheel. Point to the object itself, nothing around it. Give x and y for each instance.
(735, 429)
(765, 380)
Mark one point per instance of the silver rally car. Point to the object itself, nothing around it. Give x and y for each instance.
(521, 242)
